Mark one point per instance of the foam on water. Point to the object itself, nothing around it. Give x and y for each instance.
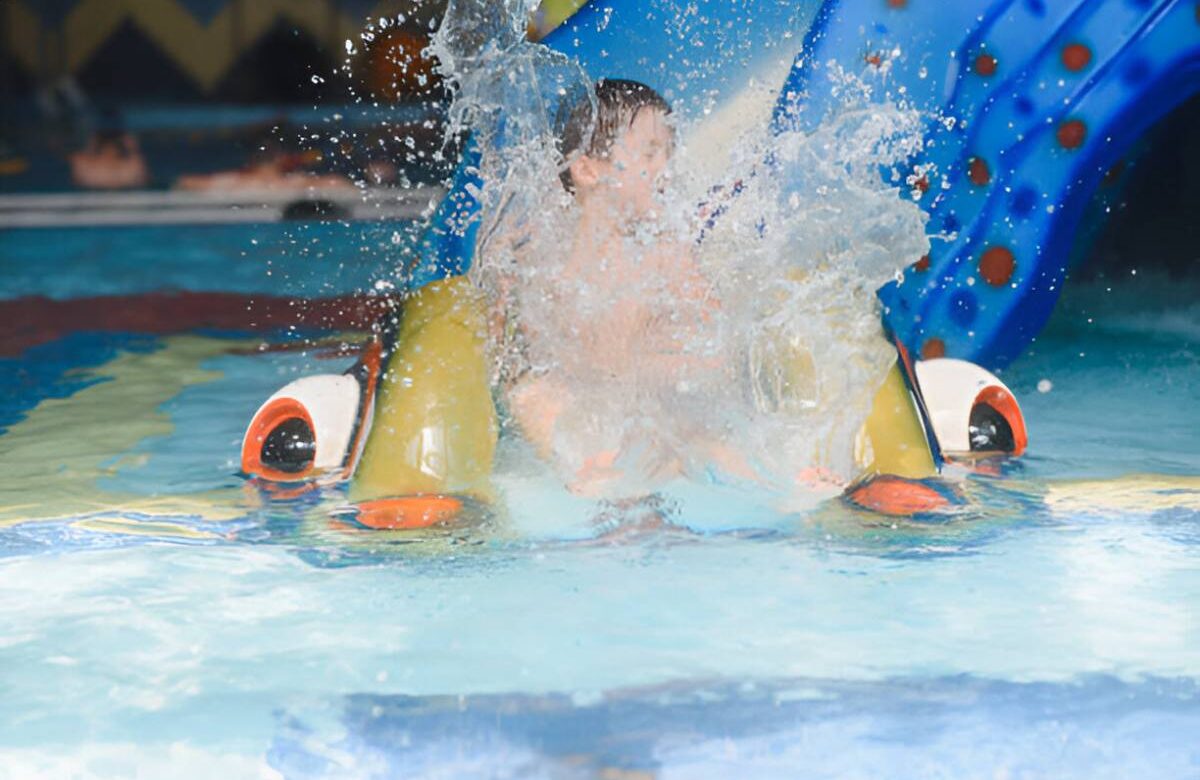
(203, 646)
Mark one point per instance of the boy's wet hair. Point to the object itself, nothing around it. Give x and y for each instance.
(618, 102)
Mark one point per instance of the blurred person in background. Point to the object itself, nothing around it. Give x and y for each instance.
(12, 163)
(271, 166)
(111, 160)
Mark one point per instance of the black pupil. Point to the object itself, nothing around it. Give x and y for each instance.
(289, 448)
(989, 431)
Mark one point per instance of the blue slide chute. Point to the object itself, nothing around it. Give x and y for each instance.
(1030, 104)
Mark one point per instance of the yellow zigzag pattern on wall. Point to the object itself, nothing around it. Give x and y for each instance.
(204, 52)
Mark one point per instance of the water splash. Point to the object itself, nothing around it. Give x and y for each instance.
(763, 297)
(799, 256)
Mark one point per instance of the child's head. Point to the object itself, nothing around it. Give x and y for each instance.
(630, 145)
(113, 145)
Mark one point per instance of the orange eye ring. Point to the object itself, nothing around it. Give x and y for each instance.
(1003, 402)
(265, 422)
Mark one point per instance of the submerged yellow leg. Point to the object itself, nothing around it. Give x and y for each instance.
(435, 428)
(893, 431)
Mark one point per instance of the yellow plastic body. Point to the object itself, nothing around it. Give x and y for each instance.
(435, 427)
(893, 431)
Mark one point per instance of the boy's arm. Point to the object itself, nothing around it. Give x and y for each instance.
(536, 403)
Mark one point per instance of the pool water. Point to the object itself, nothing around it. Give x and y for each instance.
(159, 615)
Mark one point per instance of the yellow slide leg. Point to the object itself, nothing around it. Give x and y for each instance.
(897, 439)
(434, 430)
(896, 456)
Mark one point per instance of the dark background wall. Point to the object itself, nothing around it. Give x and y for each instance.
(191, 50)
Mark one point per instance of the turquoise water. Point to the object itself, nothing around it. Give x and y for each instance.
(279, 258)
(1050, 630)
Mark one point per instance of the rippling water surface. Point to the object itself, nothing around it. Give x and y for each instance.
(159, 615)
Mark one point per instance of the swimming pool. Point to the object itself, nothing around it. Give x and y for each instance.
(160, 615)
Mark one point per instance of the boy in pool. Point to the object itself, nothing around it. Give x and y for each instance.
(613, 322)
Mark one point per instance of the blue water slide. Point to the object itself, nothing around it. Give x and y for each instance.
(1029, 104)
(448, 243)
